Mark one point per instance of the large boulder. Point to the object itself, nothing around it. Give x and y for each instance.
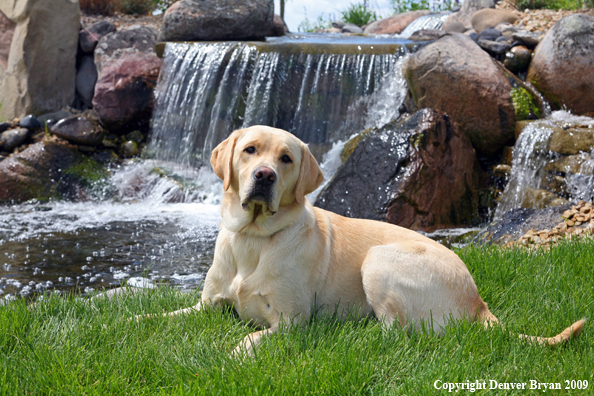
(46, 170)
(394, 24)
(563, 64)
(419, 172)
(193, 20)
(488, 17)
(464, 16)
(37, 72)
(90, 36)
(455, 75)
(128, 70)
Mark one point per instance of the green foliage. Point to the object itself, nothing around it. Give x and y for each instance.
(400, 6)
(307, 26)
(135, 7)
(358, 14)
(64, 345)
(524, 104)
(553, 4)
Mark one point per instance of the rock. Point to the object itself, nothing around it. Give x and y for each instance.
(129, 149)
(135, 136)
(350, 28)
(517, 59)
(489, 17)
(453, 27)
(419, 172)
(581, 163)
(338, 24)
(563, 64)
(38, 74)
(46, 170)
(197, 20)
(528, 38)
(128, 69)
(489, 34)
(13, 138)
(573, 140)
(394, 24)
(124, 92)
(468, 9)
(6, 33)
(494, 47)
(538, 198)
(79, 130)
(454, 75)
(50, 119)
(86, 77)
(279, 27)
(136, 39)
(89, 37)
(427, 34)
(30, 122)
(4, 126)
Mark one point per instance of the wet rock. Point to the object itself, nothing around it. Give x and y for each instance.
(79, 130)
(197, 20)
(468, 9)
(455, 75)
(4, 126)
(419, 172)
(489, 17)
(528, 38)
(90, 36)
(489, 34)
(38, 75)
(135, 136)
(86, 77)
(571, 140)
(13, 138)
(581, 163)
(394, 24)
(539, 198)
(518, 59)
(563, 64)
(350, 28)
(279, 27)
(427, 34)
(129, 148)
(30, 122)
(494, 47)
(45, 170)
(50, 119)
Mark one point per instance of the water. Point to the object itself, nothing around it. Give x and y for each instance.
(534, 177)
(426, 22)
(156, 219)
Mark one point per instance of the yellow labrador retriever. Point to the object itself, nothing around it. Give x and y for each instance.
(280, 260)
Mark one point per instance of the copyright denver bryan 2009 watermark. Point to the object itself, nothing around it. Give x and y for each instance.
(473, 386)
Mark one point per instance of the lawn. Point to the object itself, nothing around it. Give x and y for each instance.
(68, 345)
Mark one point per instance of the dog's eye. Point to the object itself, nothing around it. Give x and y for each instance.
(250, 150)
(286, 159)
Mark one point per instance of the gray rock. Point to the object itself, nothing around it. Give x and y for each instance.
(39, 74)
(136, 39)
(338, 24)
(454, 26)
(79, 130)
(563, 64)
(50, 119)
(427, 34)
(494, 47)
(350, 28)
(196, 20)
(30, 122)
(89, 37)
(468, 9)
(489, 34)
(279, 27)
(419, 172)
(4, 126)
(13, 138)
(86, 77)
(528, 38)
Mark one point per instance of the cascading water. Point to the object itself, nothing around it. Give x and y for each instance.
(157, 217)
(431, 21)
(542, 177)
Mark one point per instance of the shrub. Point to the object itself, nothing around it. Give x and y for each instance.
(358, 14)
(98, 7)
(553, 4)
(135, 7)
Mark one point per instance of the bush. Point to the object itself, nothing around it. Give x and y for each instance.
(358, 14)
(553, 4)
(98, 7)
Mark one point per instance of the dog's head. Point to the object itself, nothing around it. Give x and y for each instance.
(266, 169)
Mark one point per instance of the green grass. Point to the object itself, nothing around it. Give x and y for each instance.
(553, 4)
(72, 346)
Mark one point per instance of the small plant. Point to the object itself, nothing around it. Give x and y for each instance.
(307, 26)
(553, 4)
(358, 14)
(400, 6)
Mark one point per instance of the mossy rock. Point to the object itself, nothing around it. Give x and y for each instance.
(525, 104)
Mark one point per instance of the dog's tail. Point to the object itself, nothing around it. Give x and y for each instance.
(573, 331)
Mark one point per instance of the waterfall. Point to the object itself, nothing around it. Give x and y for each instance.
(321, 91)
(541, 177)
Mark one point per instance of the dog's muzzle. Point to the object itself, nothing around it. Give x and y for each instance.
(262, 190)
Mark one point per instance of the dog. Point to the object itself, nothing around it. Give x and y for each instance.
(278, 260)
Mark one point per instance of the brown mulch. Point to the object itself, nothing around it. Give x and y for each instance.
(123, 21)
(539, 20)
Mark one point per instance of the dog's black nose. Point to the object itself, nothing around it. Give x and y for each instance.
(264, 176)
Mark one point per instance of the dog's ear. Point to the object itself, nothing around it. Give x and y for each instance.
(222, 159)
(310, 175)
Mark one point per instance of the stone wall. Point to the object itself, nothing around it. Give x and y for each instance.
(37, 61)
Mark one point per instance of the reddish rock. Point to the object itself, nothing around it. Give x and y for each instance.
(455, 75)
(563, 64)
(43, 171)
(420, 172)
(124, 92)
(394, 24)
(79, 130)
